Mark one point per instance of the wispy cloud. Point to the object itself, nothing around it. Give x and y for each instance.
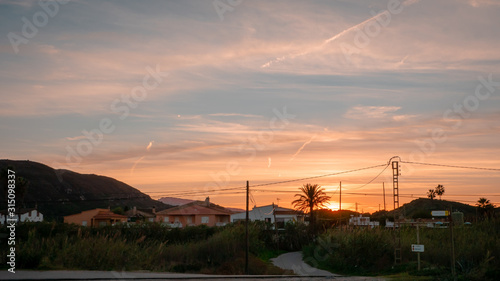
(234, 115)
(370, 112)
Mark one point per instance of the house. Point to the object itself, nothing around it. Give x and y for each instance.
(362, 221)
(269, 213)
(95, 217)
(141, 215)
(22, 215)
(195, 213)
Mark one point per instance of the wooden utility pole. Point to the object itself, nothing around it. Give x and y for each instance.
(247, 239)
(383, 190)
(453, 274)
(340, 197)
(418, 242)
(276, 226)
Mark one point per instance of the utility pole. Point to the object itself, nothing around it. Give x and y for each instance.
(395, 191)
(452, 246)
(383, 190)
(356, 206)
(418, 242)
(276, 226)
(247, 240)
(340, 196)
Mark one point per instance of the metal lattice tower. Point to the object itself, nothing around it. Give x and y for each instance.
(395, 183)
(397, 228)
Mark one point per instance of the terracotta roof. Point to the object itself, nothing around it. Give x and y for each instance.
(195, 208)
(108, 215)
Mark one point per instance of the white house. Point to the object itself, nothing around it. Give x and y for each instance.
(268, 213)
(22, 215)
(362, 221)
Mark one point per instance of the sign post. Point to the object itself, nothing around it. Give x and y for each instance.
(417, 248)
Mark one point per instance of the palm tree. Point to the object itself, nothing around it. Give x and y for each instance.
(312, 196)
(484, 206)
(431, 194)
(439, 190)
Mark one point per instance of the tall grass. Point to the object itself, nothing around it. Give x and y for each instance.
(146, 247)
(371, 251)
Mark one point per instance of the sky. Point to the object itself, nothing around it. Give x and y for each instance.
(193, 98)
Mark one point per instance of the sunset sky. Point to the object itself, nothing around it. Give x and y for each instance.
(193, 98)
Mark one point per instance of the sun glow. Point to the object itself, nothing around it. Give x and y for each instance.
(334, 206)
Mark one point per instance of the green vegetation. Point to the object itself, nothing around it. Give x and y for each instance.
(371, 251)
(209, 250)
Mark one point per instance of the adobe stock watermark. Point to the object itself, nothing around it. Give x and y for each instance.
(121, 106)
(250, 147)
(11, 220)
(40, 19)
(459, 112)
(224, 6)
(372, 27)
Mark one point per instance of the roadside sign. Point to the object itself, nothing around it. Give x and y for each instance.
(417, 248)
(440, 213)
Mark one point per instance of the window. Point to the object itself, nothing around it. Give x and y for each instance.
(204, 219)
(189, 220)
(165, 219)
(84, 223)
(267, 219)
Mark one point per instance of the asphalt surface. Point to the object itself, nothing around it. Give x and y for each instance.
(291, 261)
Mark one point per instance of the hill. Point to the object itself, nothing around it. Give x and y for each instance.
(59, 193)
(422, 208)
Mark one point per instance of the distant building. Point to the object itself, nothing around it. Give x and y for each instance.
(141, 215)
(362, 221)
(22, 215)
(195, 213)
(269, 213)
(95, 217)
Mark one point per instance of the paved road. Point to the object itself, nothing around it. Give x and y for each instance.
(293, 261)
(148, 276)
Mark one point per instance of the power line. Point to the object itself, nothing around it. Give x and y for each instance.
(373, 178)
(451, 166)
(320, 176)
(274, 183)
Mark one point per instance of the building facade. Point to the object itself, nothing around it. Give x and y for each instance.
(195, 213)
(270, 213)
(95, 217)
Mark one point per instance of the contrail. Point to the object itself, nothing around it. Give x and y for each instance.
(135, 164)
(140, 159)
(150, 145)
(333, 38)
(302, 147)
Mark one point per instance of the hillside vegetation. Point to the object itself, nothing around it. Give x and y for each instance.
(61, 192)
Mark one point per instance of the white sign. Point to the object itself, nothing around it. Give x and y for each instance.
(417, 248)
(440, 213)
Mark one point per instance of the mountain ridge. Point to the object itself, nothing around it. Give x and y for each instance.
(57, 193)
